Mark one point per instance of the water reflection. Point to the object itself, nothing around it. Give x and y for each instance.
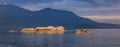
(99, 38)
(41, 40)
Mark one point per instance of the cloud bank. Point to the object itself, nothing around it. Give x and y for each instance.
(96, 8)
(80, 7)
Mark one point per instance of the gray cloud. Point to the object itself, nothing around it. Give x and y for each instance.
(90, 1)
(81, 7)
(28, 1)
(85, 8)
(94, 2)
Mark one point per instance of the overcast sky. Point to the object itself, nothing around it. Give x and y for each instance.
(80, 7)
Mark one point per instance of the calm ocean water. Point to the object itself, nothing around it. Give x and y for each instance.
(98, 38)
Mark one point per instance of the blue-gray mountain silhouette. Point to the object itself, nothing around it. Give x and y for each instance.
(12, 16)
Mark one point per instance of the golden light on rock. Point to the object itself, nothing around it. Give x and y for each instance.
(84, 31)
(49, 29)
(13, 30)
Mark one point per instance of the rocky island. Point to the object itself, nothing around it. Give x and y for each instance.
(49, 29)
(84, 31)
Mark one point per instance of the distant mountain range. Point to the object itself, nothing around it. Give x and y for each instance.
(12, 16)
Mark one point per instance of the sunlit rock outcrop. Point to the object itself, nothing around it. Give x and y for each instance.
(49, 29)
(78, 31)
(28, 30)
(13, 30)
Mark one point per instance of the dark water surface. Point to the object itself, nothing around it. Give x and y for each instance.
(98, 38)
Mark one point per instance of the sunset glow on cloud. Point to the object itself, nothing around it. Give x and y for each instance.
(106, 19)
